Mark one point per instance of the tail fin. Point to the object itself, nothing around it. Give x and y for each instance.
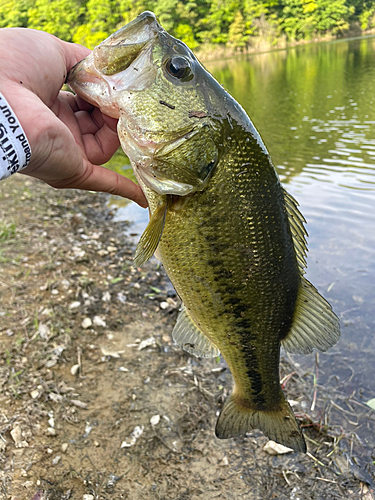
(279, 425)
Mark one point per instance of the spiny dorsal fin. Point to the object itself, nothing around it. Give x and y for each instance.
(314, 323)
(151, 236)
(299, 233)
(187, 335)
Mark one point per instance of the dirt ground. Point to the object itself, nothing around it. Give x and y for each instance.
(96, 402)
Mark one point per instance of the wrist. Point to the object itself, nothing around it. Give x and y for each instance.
(15, 151)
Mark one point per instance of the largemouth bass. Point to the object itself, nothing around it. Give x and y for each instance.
(230, 238)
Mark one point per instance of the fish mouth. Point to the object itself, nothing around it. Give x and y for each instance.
(111, 65)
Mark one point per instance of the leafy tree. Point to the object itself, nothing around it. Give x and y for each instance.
(130, 9)
(59, 17)
(101, 21)
(237, 33)
(14, 13)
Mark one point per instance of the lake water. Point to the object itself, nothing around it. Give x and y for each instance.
(314, 107)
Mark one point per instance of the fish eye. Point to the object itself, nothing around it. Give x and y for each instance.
(179, 67)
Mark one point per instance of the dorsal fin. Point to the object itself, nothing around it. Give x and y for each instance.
(188, 336)
(315, 325)
(299, 233)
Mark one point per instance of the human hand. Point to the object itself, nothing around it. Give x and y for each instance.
(68, 137)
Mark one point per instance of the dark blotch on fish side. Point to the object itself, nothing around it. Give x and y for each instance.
(170, 106)
(197, 114)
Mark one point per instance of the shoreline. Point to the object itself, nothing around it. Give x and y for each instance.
(222, 53)
(95, 397)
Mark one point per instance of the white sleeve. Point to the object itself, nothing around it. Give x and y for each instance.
(15, 151)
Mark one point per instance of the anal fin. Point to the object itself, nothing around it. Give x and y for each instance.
(150, 238)
(188, 336)
(315, 325)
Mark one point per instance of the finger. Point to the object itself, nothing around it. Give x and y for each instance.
(97, 178)
(102, 145)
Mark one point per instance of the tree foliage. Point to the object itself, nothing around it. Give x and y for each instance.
(234, 23)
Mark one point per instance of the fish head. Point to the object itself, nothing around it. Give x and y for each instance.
(172, 113)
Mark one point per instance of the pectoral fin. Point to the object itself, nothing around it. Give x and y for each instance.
(188, 336)
(314, 324)
(150, 238)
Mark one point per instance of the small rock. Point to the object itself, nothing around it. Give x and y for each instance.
(224, 461)
(88, 497)
(112, 249)
(78, 403)
(138, 430)
(123, 369)
(16, 434)
(64, 285)
(172, 302)
(109, 352)
(96, 443)
(74, 305)
(121, 297)
(137, 286)
(106, 297)
(146, 343)
(51, 362)
(86, 323)
(44, 331)
(46, 312)
(102, 252)
(163, 305)
(273, 448)
(57, 398)
(64, 447)
(99, 321)
(54, 292)
(35, 394)
(56, 460)
(155, 419)
(74, 369)
(51, 431)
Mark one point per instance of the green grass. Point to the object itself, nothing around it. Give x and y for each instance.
(7, 230)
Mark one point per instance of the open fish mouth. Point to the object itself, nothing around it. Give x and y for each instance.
(114, 64)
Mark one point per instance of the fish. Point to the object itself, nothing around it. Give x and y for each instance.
(230, 237)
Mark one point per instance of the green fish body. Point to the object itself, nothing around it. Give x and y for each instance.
(231, 240)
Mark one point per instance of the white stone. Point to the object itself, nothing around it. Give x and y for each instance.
(99, 321)
(44, 331)
(74, 305)
(74, 369)
(273, 448)
(86, 323)
(155, 419)
(34, 394)
(146, 343)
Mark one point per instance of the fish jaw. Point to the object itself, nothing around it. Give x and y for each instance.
(111, 69)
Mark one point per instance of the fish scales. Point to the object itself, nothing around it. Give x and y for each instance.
(221, 289)
(230, 238)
